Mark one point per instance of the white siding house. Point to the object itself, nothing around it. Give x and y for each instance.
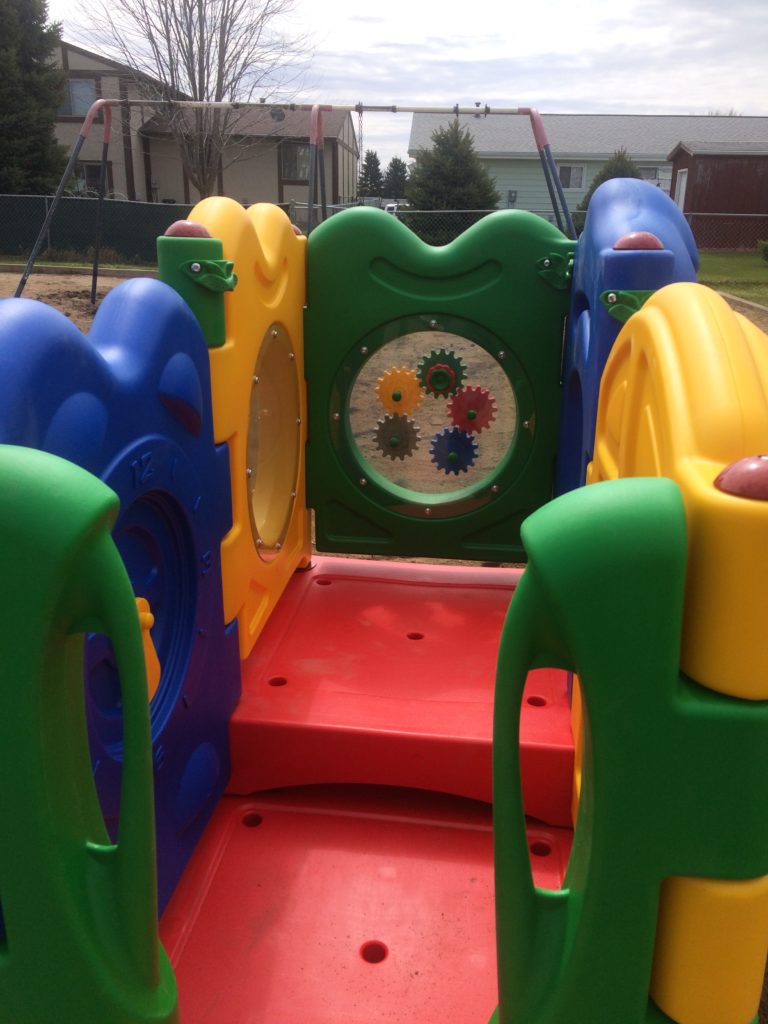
(581, 144)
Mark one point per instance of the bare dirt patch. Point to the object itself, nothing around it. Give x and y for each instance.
(69, 293)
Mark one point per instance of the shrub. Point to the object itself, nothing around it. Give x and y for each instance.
(763, 250)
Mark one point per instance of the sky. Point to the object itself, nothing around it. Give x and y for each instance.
(594, 56)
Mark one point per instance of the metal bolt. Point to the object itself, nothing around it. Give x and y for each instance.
(259, 542)
(612, 297)
(526, 424)
(547, 263)
(249, 471)
(293, 494)
(363, 482)
(195, 268)
(291, 355)
(255, 380)
(364, 350)
(502, 354)
(278, 546)
(336, 416)
(274, 332)
(433, 324)
(495, 489)
(298, 420)
(427, 511)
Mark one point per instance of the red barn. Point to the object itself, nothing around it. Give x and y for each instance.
(723, 192)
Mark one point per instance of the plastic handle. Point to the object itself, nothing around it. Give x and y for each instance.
(588, 602)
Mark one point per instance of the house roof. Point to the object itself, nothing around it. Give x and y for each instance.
(597, 136)
(257, 122)
(699, 148)
(121, 70)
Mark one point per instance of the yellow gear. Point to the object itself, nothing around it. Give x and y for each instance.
(399, 391)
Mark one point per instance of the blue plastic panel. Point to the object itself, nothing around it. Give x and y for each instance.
(619, 206)
(131, 404)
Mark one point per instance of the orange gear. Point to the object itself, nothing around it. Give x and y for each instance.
(399, 391)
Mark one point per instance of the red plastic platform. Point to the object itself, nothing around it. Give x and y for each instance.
(343, 905)
(383, 672)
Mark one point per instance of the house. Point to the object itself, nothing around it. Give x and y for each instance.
(720, 215)
(267, 159)
(582, 143)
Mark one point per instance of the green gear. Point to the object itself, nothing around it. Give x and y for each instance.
(441, 373)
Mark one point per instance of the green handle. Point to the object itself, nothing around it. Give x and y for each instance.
(79, 912)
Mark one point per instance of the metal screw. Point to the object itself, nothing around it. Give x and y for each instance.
(259, 542)
(612, 297)
(547, 263)
(195, 268)
(278, 546)
(336, 416)
(427, 511)
(274, 332)
(249, 471)
(291, 355)
(526, 424)
(293, 494)
(433, 324)
(502, 354)
(363, 482)
(364, 350)
(255, 380)
(298, 420)
(495, 489)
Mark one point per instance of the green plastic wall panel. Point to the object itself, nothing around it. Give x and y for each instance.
(491, 304)
(675, 777)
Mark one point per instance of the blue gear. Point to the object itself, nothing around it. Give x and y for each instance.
(453, 450)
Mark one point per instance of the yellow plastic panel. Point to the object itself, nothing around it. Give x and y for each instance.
(259, 408)
(685, 394)
(710, 950)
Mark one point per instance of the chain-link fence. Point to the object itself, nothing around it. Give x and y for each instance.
(728, 230)
(128, 230)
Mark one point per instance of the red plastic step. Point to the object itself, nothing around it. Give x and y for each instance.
(343, 905)
(383, 672)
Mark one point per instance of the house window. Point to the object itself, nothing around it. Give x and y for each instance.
(294, 161)
(649, 174)
(87, 176)
(571, 175)
(79, 94)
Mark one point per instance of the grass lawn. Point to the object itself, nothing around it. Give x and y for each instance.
(741, 273)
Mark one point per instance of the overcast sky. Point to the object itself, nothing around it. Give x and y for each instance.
(595, 56)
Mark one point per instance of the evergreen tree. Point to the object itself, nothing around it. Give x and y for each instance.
(450, 176)
(31, 161)
(370, 182)
(620, 165)
(395, 179)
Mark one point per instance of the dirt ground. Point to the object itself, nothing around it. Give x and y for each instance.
(71, 294)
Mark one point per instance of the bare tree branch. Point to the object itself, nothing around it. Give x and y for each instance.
(208, 50)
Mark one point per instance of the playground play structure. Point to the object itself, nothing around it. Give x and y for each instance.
(292, 756)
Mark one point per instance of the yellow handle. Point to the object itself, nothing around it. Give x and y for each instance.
(151, 660)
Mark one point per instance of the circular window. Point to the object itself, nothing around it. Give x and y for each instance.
(274, 441)
(433, 413)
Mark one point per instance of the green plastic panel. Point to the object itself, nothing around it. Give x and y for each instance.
(675, 777)
(481, 315)
(78, 930)
(194, 267)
